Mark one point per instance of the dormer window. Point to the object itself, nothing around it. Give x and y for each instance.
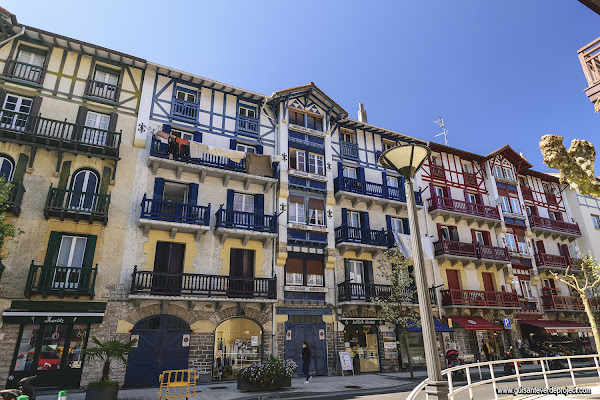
(296, 118)
(186, 96)
(104, 84)
(247, 112)
(497, 171)
(508, 174)
(348, 136)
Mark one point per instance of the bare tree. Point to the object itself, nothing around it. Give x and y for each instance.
(396, 309)
(583, 281)
(576, 165)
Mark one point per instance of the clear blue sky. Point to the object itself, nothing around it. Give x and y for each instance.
(498, 72)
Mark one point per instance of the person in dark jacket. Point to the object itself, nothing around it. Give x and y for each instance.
(306, 361)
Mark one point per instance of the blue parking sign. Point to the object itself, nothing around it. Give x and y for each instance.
(507, 324)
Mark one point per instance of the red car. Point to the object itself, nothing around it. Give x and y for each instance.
(48, 360)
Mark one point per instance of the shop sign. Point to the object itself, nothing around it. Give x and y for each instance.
(346, 361)
(507, 324)
(137, 340)
(361, 321)
(185, 341)
(27, 317)
(322, 334)
(254, 341)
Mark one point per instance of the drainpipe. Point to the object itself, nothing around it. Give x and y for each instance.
(274, 250)
(2, 43)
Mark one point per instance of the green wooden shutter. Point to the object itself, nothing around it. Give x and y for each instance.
(20, 168)
(105, 180)
(90, 249)
(53, 246)
(64, 175)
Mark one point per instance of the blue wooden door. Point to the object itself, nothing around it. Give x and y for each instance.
(307, 332)
(159, 349)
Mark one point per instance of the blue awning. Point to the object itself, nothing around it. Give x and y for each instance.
(439, 327)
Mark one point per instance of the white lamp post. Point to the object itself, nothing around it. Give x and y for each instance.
(406, 160)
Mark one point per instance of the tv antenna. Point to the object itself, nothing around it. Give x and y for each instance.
(440, 122)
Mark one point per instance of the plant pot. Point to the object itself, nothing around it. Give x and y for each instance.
(102, 393)
(244, 385)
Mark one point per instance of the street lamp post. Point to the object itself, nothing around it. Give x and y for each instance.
(406, 160)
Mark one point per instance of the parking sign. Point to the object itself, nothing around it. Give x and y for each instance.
(507, 324)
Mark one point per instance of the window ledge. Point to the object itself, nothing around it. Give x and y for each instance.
(302, 129)
(307, 227)
(313, 289)
(302, 174)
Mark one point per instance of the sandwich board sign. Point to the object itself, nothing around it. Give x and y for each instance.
(346, 362)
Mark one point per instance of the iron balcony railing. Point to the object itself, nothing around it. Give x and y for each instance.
(35, 129)
(159, 149)
(161, 210)
(15, 198)
(249, 125)
(350, 291)
(345, 234)
(72, 204)
(52, 279)
(563, 303)
(102, 90)
(479, 298)
(24, 71)
(342, 183)
(349, 149)
(463, 207)
(200, 285)
(473, 250)
(554, 225)
(245, 220)
(184, 109)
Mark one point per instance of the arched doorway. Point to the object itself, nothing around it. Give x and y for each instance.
(238, 343)
(85, 181)
(160, 347)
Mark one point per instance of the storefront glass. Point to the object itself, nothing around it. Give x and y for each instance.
(24, 360)
(361, 342)
(238, 343)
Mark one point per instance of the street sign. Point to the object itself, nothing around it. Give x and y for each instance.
(507, 324)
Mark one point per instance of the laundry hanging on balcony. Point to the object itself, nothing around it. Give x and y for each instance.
(405, 245)
(233, 155)
(259, 164)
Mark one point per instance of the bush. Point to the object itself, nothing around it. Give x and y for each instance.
(264, 374)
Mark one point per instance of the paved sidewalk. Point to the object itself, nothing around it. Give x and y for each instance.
(320, 384)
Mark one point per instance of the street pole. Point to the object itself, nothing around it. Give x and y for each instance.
(436, 388)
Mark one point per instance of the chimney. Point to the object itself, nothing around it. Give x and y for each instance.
(362, 113)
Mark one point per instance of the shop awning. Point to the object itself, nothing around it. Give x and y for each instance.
(475, 324)
(54, 312)
(558, 326)
(439, 327)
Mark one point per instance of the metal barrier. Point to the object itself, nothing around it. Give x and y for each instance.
(543, 361)
(177, 384)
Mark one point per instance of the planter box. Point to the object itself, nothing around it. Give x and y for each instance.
(251, 387)
(102, 393)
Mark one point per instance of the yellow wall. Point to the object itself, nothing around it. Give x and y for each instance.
(163, 236)
(72, 227)
(462, 275)
(259, 255)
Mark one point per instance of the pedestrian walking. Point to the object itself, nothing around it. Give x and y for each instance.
(485, 347)
(306, 361)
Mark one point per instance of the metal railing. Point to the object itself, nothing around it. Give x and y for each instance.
(77, 205)
(62, 280)
(554, 225)
(349, 149)
(246, 124)
(184, 284)
(343, 183)
(246, 220)
(464, 207)
(345, 233)
(102, 90)
(479, 298)
(161, 210)
(588, 363)
(24, 71)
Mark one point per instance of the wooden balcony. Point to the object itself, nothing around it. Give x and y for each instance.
(479, 299)
(551, 228)
(245, 225)
(551, 199)
(552, 262)
(461, 252)
(551, 302)
(201, 286)
(71, 204)
(208, 165)
(37, 131)
(361, 239)
(470, 179)
(248, 125)
(15, 198)
(527, 193)
(437, 172)
(61, 281)
(589, 57)
(174, 217)
(370, 193)
(478, 214)
(349, 150)
(184, 109)
(102, 90)
(29, 73)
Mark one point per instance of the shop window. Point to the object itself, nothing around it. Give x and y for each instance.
(238, 344)
(361, 342)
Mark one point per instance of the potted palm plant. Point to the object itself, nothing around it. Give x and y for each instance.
(108, 351)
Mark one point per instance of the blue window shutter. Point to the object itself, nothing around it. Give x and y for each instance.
(405, 226)
(166, 128)
(388, 220)
(232, 144)
(344, 216)
(259, 203)
(368, 271)
(384, 178)
(361, 174)
(259, 149)
(346, 269)
(159, 186)
(365, 219)
(198, 136)
(230, 193)
(193, 196)
(340, 169)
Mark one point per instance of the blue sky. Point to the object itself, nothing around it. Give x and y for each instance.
(498, 72)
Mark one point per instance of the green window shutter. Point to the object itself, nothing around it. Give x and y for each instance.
(90, 249)
(105, 180)
(53, 246)
(20, 168)
(64, 175)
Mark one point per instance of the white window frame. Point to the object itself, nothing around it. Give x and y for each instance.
(516, 206)
(445, 230)
(511, 242)
(497, 171)
(97, 124)
(505, 204)
(183, 134)
(348, 137)
(246, 111)
(354, 219)
(466, 168)
(186, 96)
(300, 160)
(356, 271)
(297, 213)
(246, 148)
(350, 172)
(316, 164)
(472, 198)
(508, 173)
(176, 184)
(479, 238)
(526, 288)
(107, 77)
(439, 192)
(393, 181)
(386, 145)
(16, 121)
(69, 278)
(397, 225)
(244, 201)
(316, 217)
(596, 221)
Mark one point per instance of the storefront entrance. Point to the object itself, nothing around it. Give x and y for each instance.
(238, 343)
(161, 346)
(361, 341)
(52, 352)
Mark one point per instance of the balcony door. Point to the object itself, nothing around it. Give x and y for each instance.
(356, 276)
(244, 204)
(32, 71)
(349, 172)
(70, 257)
(453, 281)
(564, 251)
(168, 265)
(488, 282)
(84, 187)
(241, 272)
(105, 84)
(97, 127)
(354, 225)
(174, 196)
(16, 109)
